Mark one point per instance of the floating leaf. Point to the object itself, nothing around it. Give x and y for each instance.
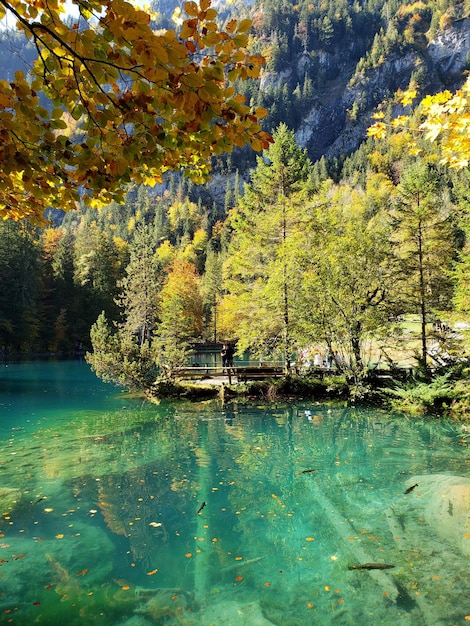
(59, 536)
(155, 524)
(152, 572)
(238, 578)
(83, 572)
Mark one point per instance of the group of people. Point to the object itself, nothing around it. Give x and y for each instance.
(314, 358)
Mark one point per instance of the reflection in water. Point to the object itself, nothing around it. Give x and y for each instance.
(103, 519)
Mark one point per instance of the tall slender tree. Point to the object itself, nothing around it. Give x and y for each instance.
(423, 238)
(260, 276)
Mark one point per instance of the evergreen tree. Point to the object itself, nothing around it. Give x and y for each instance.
(20, 273)
(424, 244)
(261, 277)
(140, 288)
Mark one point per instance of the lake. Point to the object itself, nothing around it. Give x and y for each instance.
(119, 512)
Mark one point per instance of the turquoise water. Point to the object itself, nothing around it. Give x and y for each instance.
(100, 496)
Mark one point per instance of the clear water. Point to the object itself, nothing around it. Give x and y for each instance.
(100, 494)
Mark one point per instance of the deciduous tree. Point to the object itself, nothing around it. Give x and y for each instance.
(260, 267)
(110, 101)
(443, 119)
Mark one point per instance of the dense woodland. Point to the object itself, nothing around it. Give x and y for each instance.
(285, 255)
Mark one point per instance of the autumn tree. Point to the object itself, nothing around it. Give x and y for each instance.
(346, 295)
(109, 101)
(442, 119)
(424, 246)
(261, 277)
(181, 317)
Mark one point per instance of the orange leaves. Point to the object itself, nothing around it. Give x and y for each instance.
(100, 81)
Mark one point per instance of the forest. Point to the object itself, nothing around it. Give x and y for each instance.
(365, 254)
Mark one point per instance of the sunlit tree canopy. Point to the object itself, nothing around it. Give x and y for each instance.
(444, 119)
(110, 101)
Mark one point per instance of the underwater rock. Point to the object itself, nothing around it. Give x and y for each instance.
(135, 620)
(446, 503)
(231, 613)
(163, 603)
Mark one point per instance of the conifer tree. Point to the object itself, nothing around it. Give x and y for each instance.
(260, 275)
(424, 242)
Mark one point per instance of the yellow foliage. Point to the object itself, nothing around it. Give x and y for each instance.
(126, 103)
(445, 120)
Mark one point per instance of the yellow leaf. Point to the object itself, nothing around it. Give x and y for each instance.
(191, 8)
(408, 97)
(378, 130)
(244, 26)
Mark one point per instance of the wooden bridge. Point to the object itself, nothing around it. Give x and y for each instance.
(238, 373)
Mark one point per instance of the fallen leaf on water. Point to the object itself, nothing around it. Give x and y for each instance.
(188, 555)
(310, 605)
(174, 597)
(83, 572)
(152, 572)
(36, 603)
(48, 510)
(267, 584)
(155, 524)
(125, 587)
(238, 578)
(327, 588)
(334, 558)
(59, 536)
(309, 539)
(48, 587)
(238, 558)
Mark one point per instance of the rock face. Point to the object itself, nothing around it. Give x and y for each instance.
(450, 50)
(340, 115)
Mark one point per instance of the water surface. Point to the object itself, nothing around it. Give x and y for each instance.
(118, 512)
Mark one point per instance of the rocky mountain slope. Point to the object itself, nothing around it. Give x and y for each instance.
(331, 127)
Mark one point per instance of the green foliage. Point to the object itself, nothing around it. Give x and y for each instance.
(420, 397)
(118, 358)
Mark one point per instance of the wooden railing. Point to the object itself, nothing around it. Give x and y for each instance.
(241, 373)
